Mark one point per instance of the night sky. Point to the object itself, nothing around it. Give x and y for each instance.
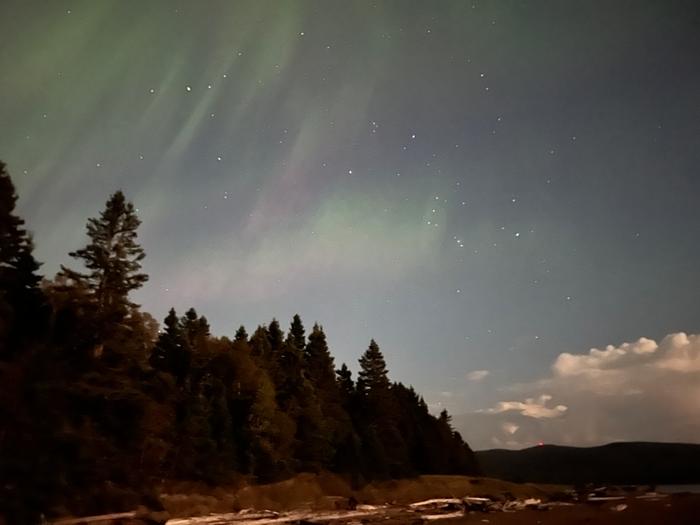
(488, 189)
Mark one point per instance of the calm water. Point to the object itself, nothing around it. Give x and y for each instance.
(673, 489)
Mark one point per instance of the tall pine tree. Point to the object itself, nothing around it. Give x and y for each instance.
(373, 379)
(241, 335)
(296, 333)
(112, 259)
(172, 352)
(384, 445)
(346, 386)
(318, 362)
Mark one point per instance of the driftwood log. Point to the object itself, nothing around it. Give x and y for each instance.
(138, 516)
(95, 519)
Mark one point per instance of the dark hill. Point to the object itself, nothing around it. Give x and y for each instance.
(618, 463)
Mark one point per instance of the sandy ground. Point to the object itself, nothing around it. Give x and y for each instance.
(323, 493)
(323, 499)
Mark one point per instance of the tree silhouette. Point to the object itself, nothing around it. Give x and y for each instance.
(346, 385)
(20, 298)
(113, 260)
(241, 335)
(373, 379)
(172, 352)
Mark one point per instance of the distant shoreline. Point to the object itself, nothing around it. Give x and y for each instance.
(624, 463)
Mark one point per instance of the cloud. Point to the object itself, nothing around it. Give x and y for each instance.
(530, 408)
(477, 375)
(509, 427)
(610, 358)
(641, 390)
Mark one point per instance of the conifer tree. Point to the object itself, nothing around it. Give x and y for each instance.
(373, 376)
(346, 386)
(196, 330)
(20, 298)
(241, 335)
(260, 346)
(385, 447)
(296, 333)
(112, 258)
(275, 336)
(288, 372)
(318, 362)
(172, 352)
(335, 442)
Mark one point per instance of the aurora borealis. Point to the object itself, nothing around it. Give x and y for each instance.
(480, 186)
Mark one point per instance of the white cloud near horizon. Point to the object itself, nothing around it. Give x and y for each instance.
(477, 375)
(641, 390)
(509, 427)
(530, 408)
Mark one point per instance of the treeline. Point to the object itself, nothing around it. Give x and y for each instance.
(97, 404)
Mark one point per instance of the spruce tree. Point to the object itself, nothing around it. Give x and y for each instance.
(318, 362)
(373, 376)
(346, 385)
(260, 347)
(172, 352)
(336, 425)
(385, 447)
(196, 329)
(241, 335)
(20, 298)
(112, 259)
(288, 367)
(275, 336)
(296, 333)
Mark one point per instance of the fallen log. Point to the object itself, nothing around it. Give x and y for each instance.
(85, 520)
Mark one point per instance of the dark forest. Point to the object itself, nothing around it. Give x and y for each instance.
(98, 405)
